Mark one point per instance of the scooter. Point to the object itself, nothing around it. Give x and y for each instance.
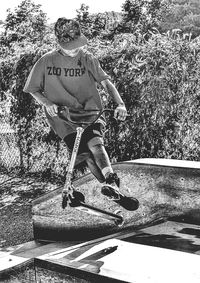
(74, 198)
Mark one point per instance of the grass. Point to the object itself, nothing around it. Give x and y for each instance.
(16, 194)
(15, 225)
(33, 274)
(26, 274)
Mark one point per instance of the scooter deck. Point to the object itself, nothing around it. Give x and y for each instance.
(113, 217)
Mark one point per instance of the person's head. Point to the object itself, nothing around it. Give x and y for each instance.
(69, 36)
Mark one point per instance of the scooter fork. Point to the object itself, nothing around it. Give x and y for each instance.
(67, 192)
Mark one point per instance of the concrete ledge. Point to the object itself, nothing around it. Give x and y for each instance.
(168, 162)
(165, 188)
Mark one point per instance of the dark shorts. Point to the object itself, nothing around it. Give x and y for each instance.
(93, 135)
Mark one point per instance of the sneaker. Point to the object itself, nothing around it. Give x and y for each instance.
(111, 190)
(111, 187)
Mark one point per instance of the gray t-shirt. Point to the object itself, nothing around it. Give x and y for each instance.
(67, 81)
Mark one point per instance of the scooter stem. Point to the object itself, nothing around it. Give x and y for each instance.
(79, 132)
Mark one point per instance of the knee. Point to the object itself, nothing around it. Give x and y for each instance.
(96, 148)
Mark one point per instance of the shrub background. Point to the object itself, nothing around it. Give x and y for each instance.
(155, 72)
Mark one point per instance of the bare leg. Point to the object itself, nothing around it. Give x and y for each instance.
(95, 169)
(101, 158)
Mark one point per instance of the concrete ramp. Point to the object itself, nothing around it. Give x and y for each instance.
(165, 188)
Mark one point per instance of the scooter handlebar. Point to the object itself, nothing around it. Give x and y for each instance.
(73, 115)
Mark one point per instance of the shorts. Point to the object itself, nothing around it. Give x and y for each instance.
(92, 135)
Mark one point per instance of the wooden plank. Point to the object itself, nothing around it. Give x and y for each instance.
(171, 235)
(22, 255)
(64, 256)
(45, 249)
(130, 263)
(8, 261)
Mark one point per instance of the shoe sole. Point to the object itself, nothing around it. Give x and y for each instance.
(129, 203)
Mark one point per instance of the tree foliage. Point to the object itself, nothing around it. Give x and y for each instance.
(140, 17)
(142, 14)
(91, 25)
(183, 15)
(21, 41)
(26, 22)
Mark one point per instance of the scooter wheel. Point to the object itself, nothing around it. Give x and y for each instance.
(119, 222)
(64, 201)
(78, 196)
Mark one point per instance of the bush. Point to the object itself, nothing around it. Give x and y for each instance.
(159, 81)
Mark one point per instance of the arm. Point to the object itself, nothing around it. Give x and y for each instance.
(35, 85)
(120, 111)
(51, 108)
(101, 77)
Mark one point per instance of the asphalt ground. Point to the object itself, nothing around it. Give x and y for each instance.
(15, 224)
(16, 195)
